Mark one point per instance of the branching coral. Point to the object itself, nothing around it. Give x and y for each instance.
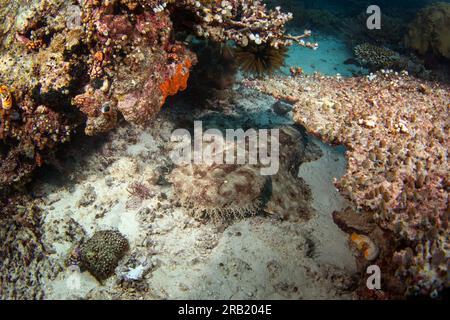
(242, 21)
(397, 132)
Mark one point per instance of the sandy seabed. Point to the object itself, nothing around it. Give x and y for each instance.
(174, 256)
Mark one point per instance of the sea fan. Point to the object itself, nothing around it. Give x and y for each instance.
(260, 59)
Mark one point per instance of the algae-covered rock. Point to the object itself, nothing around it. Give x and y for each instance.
(101, 253)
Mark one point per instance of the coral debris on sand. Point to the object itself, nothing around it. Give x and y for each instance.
(396, 129)
(24, 264)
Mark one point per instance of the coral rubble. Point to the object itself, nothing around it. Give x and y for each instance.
(396, 129)
(23, 256)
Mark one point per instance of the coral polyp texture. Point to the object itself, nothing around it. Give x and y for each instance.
(396, 130)
(102, 252)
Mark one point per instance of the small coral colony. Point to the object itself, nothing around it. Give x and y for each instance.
(74, 69)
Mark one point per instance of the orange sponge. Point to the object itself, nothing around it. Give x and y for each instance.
(178, 82)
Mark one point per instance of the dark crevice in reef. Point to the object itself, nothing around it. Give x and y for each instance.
(183, 22)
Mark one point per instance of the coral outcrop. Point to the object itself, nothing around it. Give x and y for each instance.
(376, 57)
(72, 66)
(101, 254)
(396, 130)
(429, 31)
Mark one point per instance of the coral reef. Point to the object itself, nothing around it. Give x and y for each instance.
(38, 64)
(134, 63)
(429, 31)
(23, 256)
(380, 58)
(244, 22)
(396, 130)
(377, 57)
(356, 31)
(102, 252)
(84, 65)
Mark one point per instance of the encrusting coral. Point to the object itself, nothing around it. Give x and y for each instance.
(396, 129)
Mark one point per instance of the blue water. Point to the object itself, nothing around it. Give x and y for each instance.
(334, 47)
(328, 59)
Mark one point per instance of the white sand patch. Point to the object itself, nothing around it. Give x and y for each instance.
(319, 175)
(174, 256)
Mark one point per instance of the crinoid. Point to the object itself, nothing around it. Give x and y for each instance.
(260, 59)
(139, 192)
